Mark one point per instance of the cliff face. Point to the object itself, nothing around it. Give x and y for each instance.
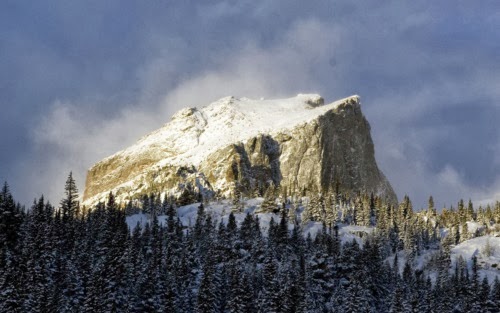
(299, 144)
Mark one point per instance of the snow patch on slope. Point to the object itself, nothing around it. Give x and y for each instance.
(220, 211)
(488, 261)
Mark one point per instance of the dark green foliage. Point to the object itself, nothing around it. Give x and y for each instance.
(63, 260)
(70, 206)
(10, 222)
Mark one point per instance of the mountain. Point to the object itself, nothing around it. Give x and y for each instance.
(244, 146)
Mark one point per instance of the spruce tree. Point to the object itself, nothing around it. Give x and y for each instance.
(10, 223)
(269, 203)
(495, 293)
(70, 205)
(269, 300)
(430, 208)
(470, 215)
(207, 301)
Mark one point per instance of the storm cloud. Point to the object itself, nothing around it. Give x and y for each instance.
(81, 80)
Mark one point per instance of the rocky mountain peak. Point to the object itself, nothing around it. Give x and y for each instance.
(245, 145)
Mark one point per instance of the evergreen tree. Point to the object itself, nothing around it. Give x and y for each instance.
(356, 299)
(10, 223)
(431, 208)
(10, 296)
(396, 304)
(269, 203)
(240, 298)
(495, 293)
(497, 212)
(269, 299)
(70, 205)
(237, 201)
(470, 216)
(207, 297)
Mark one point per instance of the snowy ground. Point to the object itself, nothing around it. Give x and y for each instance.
(488, 262)
(218, 211)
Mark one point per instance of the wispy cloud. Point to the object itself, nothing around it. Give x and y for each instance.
(72, 137)
(427, 74)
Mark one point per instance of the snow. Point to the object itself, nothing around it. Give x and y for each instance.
(490, 264)
(220, 211)
(133, 220)
(347, 233)
(467, 250)
(193, 133)
(472, 227)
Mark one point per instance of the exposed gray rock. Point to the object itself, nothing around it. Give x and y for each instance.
(331, 146)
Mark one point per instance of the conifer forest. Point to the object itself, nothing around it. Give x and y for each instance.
(70, 258)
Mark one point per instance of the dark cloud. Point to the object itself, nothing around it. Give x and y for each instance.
(79, 80)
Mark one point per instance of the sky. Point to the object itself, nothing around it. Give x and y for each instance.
(80, 80)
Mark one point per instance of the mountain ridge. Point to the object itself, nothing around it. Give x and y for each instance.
(247, 144)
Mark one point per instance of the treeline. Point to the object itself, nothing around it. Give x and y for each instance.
(68, 260)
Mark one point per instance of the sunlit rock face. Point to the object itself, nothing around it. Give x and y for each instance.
(241, 145)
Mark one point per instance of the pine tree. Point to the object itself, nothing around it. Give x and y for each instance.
(431, 209)
(497, 212)
(10, 223)
(462, 213)
(396, 304)
(241, 298)
(405, 210)
(356, 299)
(474, 299)
(247, 232)
(37, 253)
(269, 300)
(207, 301)
(484, 293)
(282, 231)
(470, 215)
(199, 224)
(237, 201)
(366, 211)
(495, 293)
(269, 203)
(70, 205)
(10, 297)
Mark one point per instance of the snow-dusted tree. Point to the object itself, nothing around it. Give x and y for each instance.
(237, 200)
(497, 212)
(207, 300)
(488, 249)
(70, 205)
(241, 299)
(10, 223)
(470, 214)
(431, 209)
(269, 204)
(405, 210)
(269, 299)
(396, 302)
(356, 299)
(495, 293)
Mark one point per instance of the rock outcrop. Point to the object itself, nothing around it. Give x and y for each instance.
(243, 145)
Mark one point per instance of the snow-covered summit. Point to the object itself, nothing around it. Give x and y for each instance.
(299, 143)
(193, 134)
